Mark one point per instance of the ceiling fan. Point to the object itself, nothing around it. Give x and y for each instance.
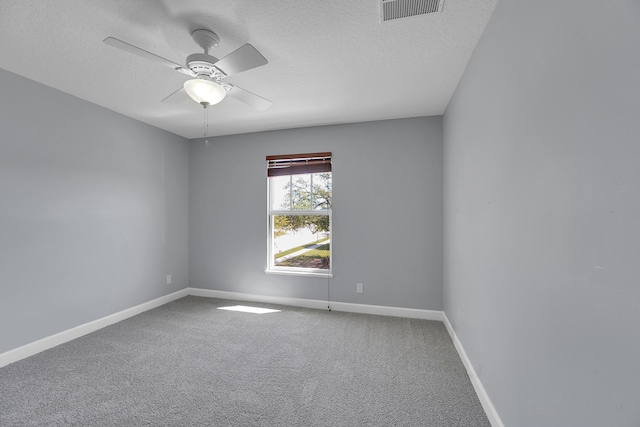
(207, 87)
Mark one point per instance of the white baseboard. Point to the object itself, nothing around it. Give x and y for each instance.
(73, 333)
(487, 405)
(381, 310)
(239, 296)
(321, 305)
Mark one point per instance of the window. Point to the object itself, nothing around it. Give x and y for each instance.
(299, 213)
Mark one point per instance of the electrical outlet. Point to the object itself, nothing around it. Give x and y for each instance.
(169, 279)
(359, 288)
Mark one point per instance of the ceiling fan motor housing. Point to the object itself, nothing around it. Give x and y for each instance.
(202, 64)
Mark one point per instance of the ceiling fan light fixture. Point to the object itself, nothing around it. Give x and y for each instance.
(204, 92)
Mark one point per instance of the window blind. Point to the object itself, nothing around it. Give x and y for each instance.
(294, 164)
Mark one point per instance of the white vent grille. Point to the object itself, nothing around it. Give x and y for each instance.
(397, 9)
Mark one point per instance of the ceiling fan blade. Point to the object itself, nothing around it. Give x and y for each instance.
(112, 41)
(251, 99)
(177, 97)
(241, 59)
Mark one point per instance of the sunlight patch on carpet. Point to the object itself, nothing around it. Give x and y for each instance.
(248, 309)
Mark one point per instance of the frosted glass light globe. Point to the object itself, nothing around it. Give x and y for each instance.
(205, 92)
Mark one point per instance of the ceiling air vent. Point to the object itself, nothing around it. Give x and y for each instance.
(391, 10)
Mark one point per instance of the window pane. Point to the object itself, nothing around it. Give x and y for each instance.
(301, 241)
(280, 193)
(321, 196)
(293, 192)
(301, 191)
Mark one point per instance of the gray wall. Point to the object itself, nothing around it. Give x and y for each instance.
(93, 212)
(542, 208)
(387, 212)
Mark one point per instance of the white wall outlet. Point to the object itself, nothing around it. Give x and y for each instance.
(169, 279)
(359, 288)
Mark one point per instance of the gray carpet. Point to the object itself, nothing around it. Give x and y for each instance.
(186, 363)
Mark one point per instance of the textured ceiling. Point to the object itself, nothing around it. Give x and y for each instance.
(329, 61)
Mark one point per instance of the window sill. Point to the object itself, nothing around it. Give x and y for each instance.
(300, 273)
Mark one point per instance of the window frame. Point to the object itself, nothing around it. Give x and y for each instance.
(272, 213)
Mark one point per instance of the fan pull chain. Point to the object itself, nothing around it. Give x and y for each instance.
(205, 125)
(205, 130)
